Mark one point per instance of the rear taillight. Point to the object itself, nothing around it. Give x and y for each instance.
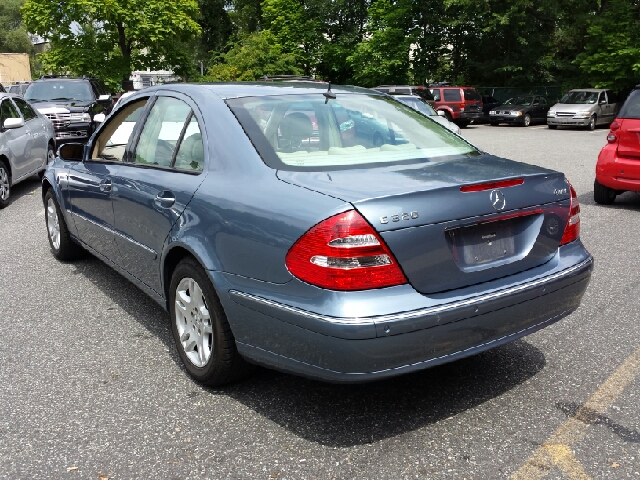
(572, 230)
(462, 105)
(344, 252)
(611, 138)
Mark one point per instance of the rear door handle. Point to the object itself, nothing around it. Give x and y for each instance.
(105, 185)
(165, 199)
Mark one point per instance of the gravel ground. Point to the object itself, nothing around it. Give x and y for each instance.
(92, 387)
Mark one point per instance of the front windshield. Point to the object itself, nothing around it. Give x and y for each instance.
(526, 101)
(578, 97)
(307, 132)
(64, 91)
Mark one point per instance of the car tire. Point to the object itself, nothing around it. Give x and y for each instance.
(62, 246)
(5, 185)
(603, 195)
(592, 123)
(552, 127)
(201, 330)
(378, 141)
(463, 123)
(51, 156)
(526, 120)
(448, 116)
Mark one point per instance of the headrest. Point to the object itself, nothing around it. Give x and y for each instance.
(296, 126)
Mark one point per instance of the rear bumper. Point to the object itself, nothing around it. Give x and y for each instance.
(356, 349)
(582, 122)
(471, 115)
(619, 173)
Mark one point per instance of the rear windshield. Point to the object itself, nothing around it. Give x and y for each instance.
(64, 91)
(577, 98)
(471, 94)
(631, 107)
(311, 132)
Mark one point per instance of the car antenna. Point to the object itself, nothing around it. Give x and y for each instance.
(329, 94)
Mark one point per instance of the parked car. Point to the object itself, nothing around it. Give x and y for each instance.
(70, 104)
(333, 260)
(587, 107)
(19, 88)
(489, 103)
(522, 110)
(419, 90)
(461, 105)
(618, 167)
(417, 103)
(26, 143)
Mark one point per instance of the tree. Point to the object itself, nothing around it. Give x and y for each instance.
(111, 38)
(13, 35)
(254, 56)
(611, 58)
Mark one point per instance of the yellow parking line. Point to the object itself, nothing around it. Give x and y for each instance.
(556, 451)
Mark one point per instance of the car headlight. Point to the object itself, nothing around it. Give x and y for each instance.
(492, 112)
(516, 113)
(85, 117)
(583, 114)
(551, 113)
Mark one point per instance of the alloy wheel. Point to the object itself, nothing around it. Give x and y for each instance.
(53, 224)
(193, 322)
(4, 184)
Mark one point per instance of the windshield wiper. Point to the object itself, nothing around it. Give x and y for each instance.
(62, 98)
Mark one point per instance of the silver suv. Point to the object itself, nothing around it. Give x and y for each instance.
(586, 107)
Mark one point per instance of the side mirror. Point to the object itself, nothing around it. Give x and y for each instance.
(99, 117)
(104, 98)
(71, 152)
(603, 102)
(441, 113)
(13, 123)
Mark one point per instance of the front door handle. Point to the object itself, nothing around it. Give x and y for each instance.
(165, 199)
(105, 185)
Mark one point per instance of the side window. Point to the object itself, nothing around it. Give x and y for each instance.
(190, 154)
(27, 111)
(536, 101)
(452, 95)
(7, 110)
(94, 88)
(112, 141)
(436, 94)
(543, 100)
(161, 132)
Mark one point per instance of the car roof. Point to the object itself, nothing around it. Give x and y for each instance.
(260, 89)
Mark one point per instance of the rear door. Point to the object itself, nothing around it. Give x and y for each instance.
(163, 169)
(38, 134)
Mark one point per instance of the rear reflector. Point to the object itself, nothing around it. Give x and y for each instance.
(344, 252)
(479, 187)
(572, 230)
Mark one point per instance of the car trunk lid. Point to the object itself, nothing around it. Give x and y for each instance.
(445, 238)
(629, 137)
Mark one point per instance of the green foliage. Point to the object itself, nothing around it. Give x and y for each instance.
(110, 38)
(13, 35)
(611, 58)
(256, 55)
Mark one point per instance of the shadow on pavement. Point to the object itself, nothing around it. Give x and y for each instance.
(25, 187)
(625, 201)
(344, 415)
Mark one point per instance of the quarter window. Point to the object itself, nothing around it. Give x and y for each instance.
(162, 132)
(190, 154)
(112, 141)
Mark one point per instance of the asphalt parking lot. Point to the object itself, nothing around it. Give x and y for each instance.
(92, 386)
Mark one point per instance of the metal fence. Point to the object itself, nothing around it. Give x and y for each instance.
(553, 92)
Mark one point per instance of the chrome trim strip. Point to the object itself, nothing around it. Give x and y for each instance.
(424, 311)
(110, 230)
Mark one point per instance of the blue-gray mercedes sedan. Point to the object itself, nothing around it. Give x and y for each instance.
(277, 230)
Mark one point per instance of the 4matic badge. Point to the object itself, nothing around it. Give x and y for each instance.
(399, 216)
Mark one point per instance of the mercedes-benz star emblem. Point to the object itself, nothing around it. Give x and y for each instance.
(497, 200)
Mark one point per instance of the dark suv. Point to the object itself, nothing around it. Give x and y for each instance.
(460, 105)
(70, 104)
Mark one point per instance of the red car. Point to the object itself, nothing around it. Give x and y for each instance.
(460, 105)
(618, 168)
